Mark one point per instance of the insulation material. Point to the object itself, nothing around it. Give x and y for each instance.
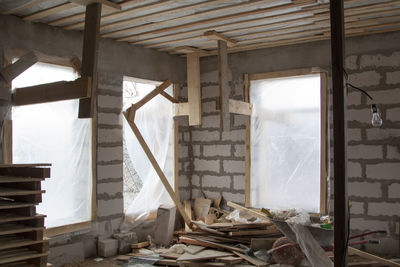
(155, 122)
(52, 133)
(285, 143)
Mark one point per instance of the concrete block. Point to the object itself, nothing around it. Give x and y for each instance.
(365, 79)
(105, 86)
(107, 154)
(67, 254)
(183, 151)
(211, 194)
(388, 170)
(196, 193)
(186, 137)
(359, 115)
(235, 135)
(393, 77)
(165, 224)
(212, 121)
(216, 181)
(383, 209)
(109, 135)
(382, 133)
(183, 181)
(365, 189)
(354, 98)
(210, 91)
(205, 136)
(239, 120)
(211, 76)
(387, 96)
(206, 165)
(208, 107)
(394, 190)
(107, 247)
(239, 182)
(111, 188)
(393, 114)
(107, 101)
(109, 118)
(380, 60)
(109, 171)
(362, 224)
(351, 62)
(393, 152)
(365, 152)
(216, 150)
(234, 197)
(354, 169)
(125, 240)
(196, 150)
(234, 166)
(110, 207)
(357, 208)
(387, 246)
(354, 134)
(196, 180)
(240, 150)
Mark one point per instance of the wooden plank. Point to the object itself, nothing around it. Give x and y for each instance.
(252, 260)
(214, 35)
(7, 142)
(50, 92)
(50, 11)
(151, 95)
(207, 254)
(240, 107)
(4, 204)
(230, 260)
(324, 145)
(26, 5)
(90, 53)
(21, 242)
(24, 170)
(158, 170)
(202, 242)
(255, 232)
(283, 73)
(246, 94)
(193, 249)
(60, 230)
(224, 89)
(105, 3)
(176, 146)
(20, 256)
(181, 109)
(10, 217)
(14, 228)
(141, 245)
(254, 213)
(169, 97)
(188, 210)
(194, 89)
(12, 71)
(24, 165)
(188, 49)
(7, 192)
(7, 179)
(372, 257)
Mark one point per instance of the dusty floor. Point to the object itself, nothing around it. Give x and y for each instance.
(91, 262)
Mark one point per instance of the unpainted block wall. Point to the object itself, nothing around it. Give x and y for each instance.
(213, 163)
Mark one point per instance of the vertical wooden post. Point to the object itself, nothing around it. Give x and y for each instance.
(176, 146)
(324, 143)
(90, 52)
(339, 133)
(7, 142)
(246, 93)
(223, 85)
(194, 90)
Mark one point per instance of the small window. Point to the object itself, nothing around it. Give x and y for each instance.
(288, 141)
(143, 190)
(52, 133)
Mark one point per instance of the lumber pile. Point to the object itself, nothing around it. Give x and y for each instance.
(21, 229)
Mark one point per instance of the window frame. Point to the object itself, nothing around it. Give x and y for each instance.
(324, 128)
(9, 55)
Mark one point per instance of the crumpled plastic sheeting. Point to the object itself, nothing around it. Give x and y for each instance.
(310, 247)
(155, 122)
(242, 217)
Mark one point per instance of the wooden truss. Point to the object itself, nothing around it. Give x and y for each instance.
(130, 117)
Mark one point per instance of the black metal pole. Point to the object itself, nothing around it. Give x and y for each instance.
(339, 134)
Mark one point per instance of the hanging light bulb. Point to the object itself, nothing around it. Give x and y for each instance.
(376, 118)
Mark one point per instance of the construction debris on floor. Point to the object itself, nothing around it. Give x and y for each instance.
(243, 237)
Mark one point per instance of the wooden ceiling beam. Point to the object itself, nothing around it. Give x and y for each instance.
(105, 3)
(50, 11)
(23, 6)
(216, 36)
(289, 9)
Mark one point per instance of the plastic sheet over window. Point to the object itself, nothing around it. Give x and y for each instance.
(52, 133)
(285, 143)
(155, 122)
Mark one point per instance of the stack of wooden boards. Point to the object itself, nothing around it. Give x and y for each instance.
(21, 228)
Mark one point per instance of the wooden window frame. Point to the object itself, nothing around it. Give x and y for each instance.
(324, 128)
(9, 55)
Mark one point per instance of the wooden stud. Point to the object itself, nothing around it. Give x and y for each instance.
(158, 170)
(224, 90)
(188, 210)
(240, 107)
(7, 142)
(169, 97)
(372, 257)
(176, 145)
(49, 92)
(89, 57)
(213, 35)
(194, 90)
(254, 213)
(181, 109)
(12, 71)
(105, 3)
(324, 144)
(151, 95)
(246, 93)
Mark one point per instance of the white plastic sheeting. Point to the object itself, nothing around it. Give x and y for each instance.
(155, 122)
(285, 143)
(52, 133)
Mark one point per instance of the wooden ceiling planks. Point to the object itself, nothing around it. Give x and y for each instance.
(168, 25)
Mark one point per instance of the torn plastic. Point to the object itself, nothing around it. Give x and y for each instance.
(242, 217)
(52, 133)
(309, 246)
(157, 130)
(285, 143)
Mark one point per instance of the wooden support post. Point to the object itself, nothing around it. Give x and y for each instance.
(7, 142)
(213, 35)
(224, 89)
(158, 169)
(341, 213)
(12, 71)
(194, 90)
(89, 57)
(246, 93)
(158, 90)
(50, 92)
